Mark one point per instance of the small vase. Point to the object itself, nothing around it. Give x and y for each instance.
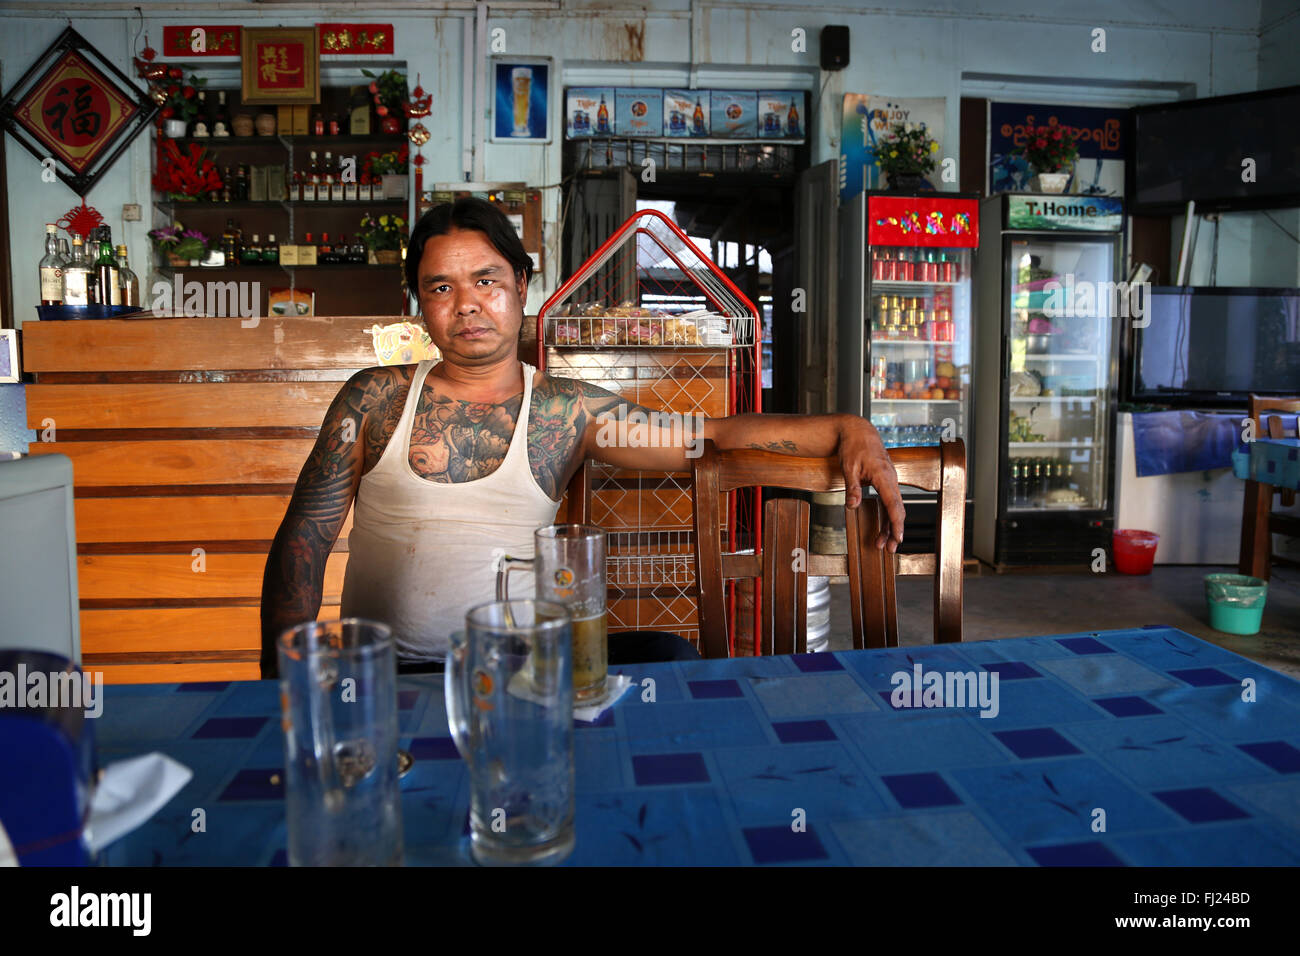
(242, 125)
(390, 124)
(1052, 182)
(174, 128)
(177, 262)
(388, 257)
(394, 187)
(265, 124)
(905, 182)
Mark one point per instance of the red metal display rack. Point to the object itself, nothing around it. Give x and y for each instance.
(649, 316)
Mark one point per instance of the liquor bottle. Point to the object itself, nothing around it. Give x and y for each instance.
(364, 189)
(1016, 490)
(127, 280)
(76, 277)
(317, 124)
(222, 115)
(251, 254)
(350, 190)
(241, 183)
(295, 186)
(201, 115)
(51, 268)
(307, 251)
(228, 243)
(1036, 482)
(225, 186)
(334, 124)
(106, 274)
(697, 118)
(311, 186)
(64, 254)
(792, 121)
(325, 251)
(327, 179)
(602, 117)
(271, 251)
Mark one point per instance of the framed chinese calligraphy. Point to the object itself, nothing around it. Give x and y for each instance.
(280, 65)
(75, 112)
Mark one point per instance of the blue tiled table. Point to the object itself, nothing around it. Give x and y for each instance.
(1148, 726)
(1270, 461)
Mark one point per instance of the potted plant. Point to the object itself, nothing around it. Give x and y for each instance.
(388, 89)
(179, 246)
(1050, 151)
(391, 168)
(905, 155)
(188, 176)
(181, 106)
(384, 237)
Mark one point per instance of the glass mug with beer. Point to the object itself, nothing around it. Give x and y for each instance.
(569, 569)
(521, 86)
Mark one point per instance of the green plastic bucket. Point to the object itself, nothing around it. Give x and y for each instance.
(1236, 602)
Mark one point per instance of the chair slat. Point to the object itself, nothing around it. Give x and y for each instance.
(785, 576)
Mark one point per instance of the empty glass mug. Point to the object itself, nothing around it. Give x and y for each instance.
(338, 697)
(569, 568)
(509, 691)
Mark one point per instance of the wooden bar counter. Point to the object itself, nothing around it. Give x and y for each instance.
(186, 437)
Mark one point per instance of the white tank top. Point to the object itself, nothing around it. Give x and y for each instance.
(421, 552)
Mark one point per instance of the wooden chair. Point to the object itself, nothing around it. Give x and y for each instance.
(1258, 521)
(871, 572)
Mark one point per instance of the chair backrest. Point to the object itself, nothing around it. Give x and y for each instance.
(1275, 427)
(38, 560)
(784, 568)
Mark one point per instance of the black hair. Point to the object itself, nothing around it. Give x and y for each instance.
(468, 212)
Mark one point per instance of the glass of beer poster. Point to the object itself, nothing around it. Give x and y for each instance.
(569, 569)
(521, 83)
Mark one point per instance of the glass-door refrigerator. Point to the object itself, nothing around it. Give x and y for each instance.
(1046, 378)
(904, 340)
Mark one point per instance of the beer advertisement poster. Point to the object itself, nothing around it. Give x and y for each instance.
(686, 112)
(639, 112)
(519, 102)
(734, 113)
(588, 111)
(780, 114)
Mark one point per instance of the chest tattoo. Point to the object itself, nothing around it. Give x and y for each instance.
(455, 441)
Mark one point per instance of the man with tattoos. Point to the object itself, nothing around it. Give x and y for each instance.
(448, 464)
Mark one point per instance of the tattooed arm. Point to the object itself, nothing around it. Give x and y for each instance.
(354, 432)
(629, 435)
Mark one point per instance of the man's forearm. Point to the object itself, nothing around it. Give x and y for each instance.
(811, 436)
(291, 591)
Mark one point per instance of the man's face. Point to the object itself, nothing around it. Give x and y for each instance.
(473, 305)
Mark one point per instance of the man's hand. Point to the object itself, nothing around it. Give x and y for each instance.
(864, 459)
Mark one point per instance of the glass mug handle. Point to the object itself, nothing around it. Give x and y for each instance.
(504, 568)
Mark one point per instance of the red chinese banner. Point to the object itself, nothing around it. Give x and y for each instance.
(932, 221)
(216, 41)
(356, 37)
(75, 111)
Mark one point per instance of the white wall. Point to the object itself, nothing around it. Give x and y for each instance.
(916, 48)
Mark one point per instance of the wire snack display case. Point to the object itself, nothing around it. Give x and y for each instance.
(648, 316)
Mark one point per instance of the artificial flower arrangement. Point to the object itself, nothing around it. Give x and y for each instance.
(391, 163)
(388, 89)
(185, 176)
(906, 150)
(1049, 149)
(176, 242)
(382, 232)
(182, 102)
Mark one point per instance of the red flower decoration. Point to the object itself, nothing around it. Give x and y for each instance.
(1040, 142)
(188, 175)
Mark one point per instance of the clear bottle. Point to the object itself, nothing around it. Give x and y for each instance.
(51, 268)
(311, 184)
(76, 276)
(271, 251)
(106, 275)
(127, 280)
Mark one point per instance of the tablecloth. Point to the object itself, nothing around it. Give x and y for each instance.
(1273, 461)
(1138, 747)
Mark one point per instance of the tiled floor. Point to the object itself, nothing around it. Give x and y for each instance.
(1017, 605)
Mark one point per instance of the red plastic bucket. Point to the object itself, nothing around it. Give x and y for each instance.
(1135, 551)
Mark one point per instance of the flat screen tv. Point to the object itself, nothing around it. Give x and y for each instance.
(1217, 345)
(1194, 150)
